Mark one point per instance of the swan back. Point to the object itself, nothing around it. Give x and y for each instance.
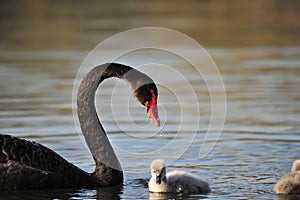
(25, 164)
(290, 182)
(174, 181)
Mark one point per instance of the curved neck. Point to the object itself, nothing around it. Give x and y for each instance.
(108, 169)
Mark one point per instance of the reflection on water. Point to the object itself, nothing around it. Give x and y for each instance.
(100, 193)
(255, 45)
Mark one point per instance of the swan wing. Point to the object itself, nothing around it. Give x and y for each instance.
(30, 154)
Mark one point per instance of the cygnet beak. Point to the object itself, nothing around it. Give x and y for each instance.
(158, 179)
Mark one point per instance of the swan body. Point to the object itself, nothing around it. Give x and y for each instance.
(290, 182)
(25, 164)
(175, 181)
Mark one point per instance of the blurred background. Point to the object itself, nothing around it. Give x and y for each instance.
(40, 25)
(255, 44)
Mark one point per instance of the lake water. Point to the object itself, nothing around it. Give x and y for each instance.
(255, 45)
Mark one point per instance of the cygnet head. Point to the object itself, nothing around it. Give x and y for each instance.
(296, 166)
(158, 170)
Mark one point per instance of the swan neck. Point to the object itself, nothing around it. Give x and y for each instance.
(108, 168)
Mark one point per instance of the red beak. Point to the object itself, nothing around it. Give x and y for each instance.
(153, 113)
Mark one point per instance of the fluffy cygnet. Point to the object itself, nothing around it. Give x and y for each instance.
(175, 181)
(289, 183)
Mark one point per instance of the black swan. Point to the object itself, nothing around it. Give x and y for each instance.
(25, 164)
(290, 182)
(175, 181)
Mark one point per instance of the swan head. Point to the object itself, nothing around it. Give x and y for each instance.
(144, 90)
(147, 95)
(296, 166)
(158, 170)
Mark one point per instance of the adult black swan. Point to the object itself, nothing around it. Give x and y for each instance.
(25, 164)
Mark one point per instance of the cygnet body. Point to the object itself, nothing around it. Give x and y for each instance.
(290, 182)
(175, 181)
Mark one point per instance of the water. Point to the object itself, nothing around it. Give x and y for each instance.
(255, 46)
